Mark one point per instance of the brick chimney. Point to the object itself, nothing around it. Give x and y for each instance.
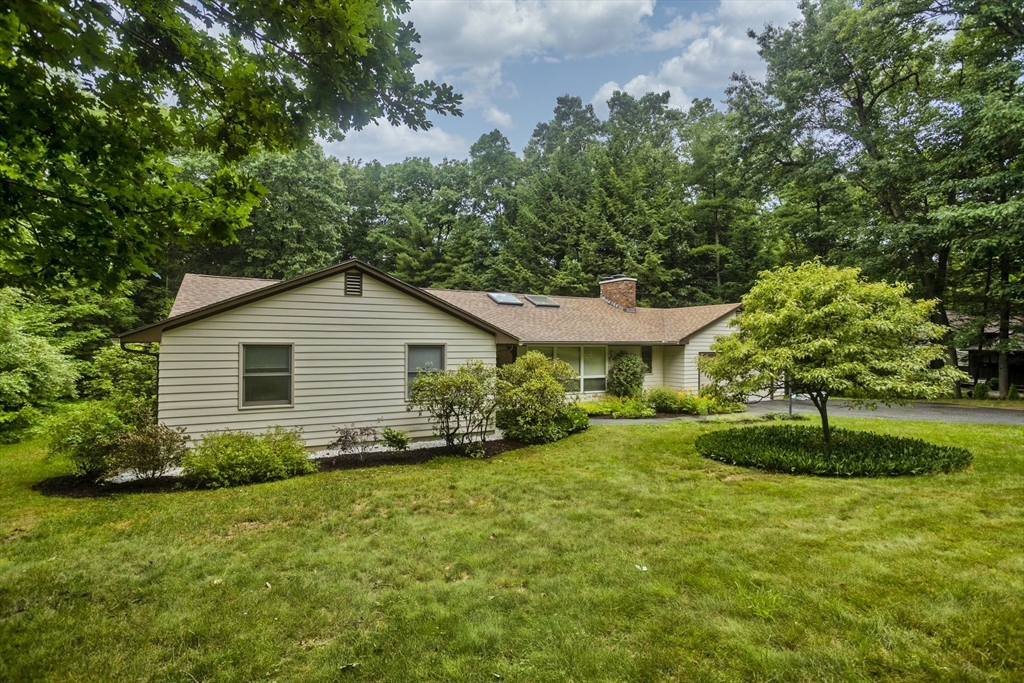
(620, 292)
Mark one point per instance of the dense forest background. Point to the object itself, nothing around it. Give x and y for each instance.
(887, 136)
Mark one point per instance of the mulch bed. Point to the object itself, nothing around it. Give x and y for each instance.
(79, 487)
(410, 457)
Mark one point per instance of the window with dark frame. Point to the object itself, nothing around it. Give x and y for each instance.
(647, 353)
(266, 375)
(422, 358)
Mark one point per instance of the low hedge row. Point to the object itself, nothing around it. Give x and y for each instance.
(794, 449)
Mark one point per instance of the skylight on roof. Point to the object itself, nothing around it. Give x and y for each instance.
(505, 299)
(542, 300)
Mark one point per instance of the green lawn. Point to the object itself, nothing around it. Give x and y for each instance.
(524, 568)
(981, 403)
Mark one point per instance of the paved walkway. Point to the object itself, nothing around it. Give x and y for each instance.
(923, 412)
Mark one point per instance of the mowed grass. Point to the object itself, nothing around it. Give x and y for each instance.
(525, 568)
(981, 403)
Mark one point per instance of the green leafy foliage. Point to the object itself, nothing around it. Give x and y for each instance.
(97, 99)
(149, 450)
(626, 375)
(459, 402)
(827, 331)
(668, 400)
(238, 458)
(1012, 394)
(531, 400)
(793, 449)
(86, 436)
(33, 371)
(981, 390)
(127, 379)
(396, 440)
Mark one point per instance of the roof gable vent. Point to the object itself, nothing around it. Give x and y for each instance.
(353, 283)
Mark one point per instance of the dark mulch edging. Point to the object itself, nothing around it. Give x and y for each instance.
(70, 486)
(412, 456)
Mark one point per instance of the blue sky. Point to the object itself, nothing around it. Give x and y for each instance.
(511, 59)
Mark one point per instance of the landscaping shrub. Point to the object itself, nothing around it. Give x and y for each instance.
(460, 402)
(981, 390)
(1012, 394)
(626, 375)
(664, 400)
(353, 439)
(237, 458)
(793, 449)
(531, 400)
(396, 440)
(668, 400)
(149, 451)
(573, 419)
(87, 437)
(993, 384)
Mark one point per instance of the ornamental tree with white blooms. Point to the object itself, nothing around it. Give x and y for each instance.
(831, 332)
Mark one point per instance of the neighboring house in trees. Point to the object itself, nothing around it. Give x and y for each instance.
(341, 345)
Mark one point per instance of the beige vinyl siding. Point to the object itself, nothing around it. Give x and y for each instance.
(673, 364)
(349, 360)
(681, 361)
(656, 377)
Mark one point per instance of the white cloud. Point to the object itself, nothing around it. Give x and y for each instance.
(638, 87)
(498, 117)
(718, 47)
(678, 32)
(458, 34)
(389, 144)
(467, 42)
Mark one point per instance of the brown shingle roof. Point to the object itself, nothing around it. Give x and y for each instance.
(576, 320)
(197, 291)
(587, 320)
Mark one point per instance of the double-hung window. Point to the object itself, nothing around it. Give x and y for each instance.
(422, 358)
(266, 375)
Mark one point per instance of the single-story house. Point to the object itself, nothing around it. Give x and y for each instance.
(341, 345)
(981, 359)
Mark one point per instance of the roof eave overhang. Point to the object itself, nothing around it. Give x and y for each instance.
(154, 332)
(604, 342)
(687, 338)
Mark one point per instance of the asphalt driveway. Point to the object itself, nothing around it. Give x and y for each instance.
(923, 412)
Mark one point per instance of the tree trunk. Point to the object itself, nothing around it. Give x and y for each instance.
(820, 401)
(1004, 325)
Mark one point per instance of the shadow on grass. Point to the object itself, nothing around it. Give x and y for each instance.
(70, 486)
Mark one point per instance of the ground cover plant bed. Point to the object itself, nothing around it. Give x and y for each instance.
(527, 566)
(794, 449)
(71, 486)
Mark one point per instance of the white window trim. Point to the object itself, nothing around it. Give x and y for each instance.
(554, 352)
(241, 375)
(405, 364)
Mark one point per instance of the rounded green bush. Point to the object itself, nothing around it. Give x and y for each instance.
(792, 449)
(238, 458)
(626, 376)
